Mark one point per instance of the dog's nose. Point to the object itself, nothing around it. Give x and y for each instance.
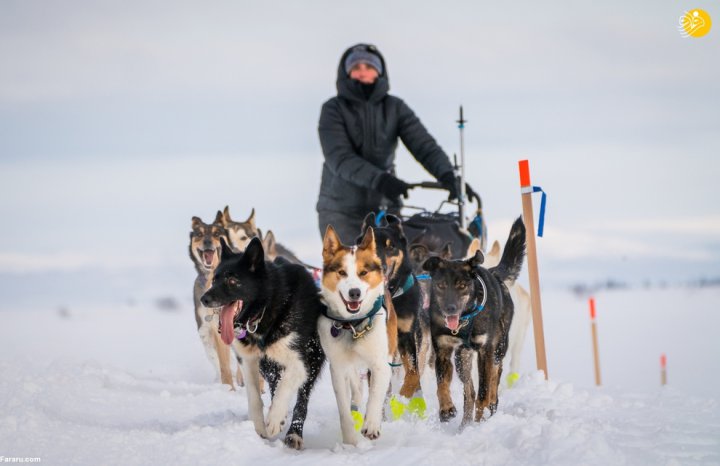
(204, 300)
(354, 294)
(451, 308)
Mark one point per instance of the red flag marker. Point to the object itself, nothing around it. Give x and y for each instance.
(535, 303)
(663, 369)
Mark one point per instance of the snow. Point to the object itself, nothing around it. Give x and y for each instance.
(130, 384)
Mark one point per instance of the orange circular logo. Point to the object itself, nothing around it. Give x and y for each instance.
(695, 23)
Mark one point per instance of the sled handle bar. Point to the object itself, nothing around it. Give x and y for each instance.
(427, 185)
(437, 185)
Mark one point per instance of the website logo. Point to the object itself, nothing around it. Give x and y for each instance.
(694, 23)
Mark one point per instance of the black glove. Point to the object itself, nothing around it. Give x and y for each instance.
(392, 187)
(452, 183)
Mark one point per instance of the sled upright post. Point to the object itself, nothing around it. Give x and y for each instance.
(527, 189)
(461, 196)
(596, 353)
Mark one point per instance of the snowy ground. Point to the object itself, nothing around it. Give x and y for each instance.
(131, 385)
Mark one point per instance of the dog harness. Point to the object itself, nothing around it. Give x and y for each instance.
(349, 324)
(478, 308)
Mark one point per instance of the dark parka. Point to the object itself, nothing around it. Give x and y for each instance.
(359, 133)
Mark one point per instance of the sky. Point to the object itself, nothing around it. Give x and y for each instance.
(119, 121)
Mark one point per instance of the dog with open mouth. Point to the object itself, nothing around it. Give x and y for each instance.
(470, 312)
(205, 248)
(358, 330)
(271, 310)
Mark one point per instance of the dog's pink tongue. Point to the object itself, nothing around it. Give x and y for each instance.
(208, 256)
(227, 324)
(452, 322)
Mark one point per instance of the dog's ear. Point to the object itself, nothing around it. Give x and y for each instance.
(433, 263)
(251, 220)
(269, 244)
(196, 222)
(418, 253)
(226, 215)
(368, 222)
(219, 218)
(368, 240)
(331, 244)
(227, 252)
(394, 223)
(476, 260)
(495, 249)
(446, 252)
(474, 246)
(254, 255)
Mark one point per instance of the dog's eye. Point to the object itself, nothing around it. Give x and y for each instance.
(363, 273)
(342, 273)
(243, 238)
(461, 285)
(232, 281)
(441, 285)
(199, 234)
(216, 234)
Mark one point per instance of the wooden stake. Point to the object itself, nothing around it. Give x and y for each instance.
(663, 369)
(596, 353)
(526, 190)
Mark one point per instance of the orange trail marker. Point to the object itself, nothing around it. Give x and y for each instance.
(663, 369)
(596, 352)
(526, 189)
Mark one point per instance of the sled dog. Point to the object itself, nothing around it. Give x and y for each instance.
(271, 310)
(358, 330)
(204, 251)
(471, 311)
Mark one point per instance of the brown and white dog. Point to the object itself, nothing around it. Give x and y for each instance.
(359, 328)
(205, 248)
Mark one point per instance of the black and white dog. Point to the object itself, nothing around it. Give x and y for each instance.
(471, 311)
(272, 309)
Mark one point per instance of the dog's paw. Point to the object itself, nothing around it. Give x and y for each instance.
(294, 441)
(261, 432)
(275, 422)
(447, 414)
(371, 429)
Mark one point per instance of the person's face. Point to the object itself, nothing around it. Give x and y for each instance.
(364, 73)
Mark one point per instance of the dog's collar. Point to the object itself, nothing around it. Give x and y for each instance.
(349, 324)
(245, 328)
(409, 282)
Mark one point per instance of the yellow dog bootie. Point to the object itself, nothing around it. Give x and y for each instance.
(512, 378)
(357, 418)
(414, 407)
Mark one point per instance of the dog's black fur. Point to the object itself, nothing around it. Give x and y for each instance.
(456, 290)
(289, 297)
(393, 253)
